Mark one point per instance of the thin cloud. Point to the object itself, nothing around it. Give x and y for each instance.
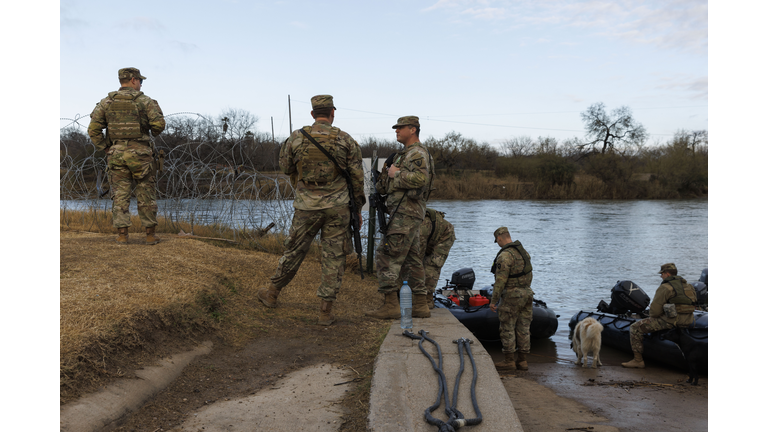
(667, 24)
(184, 46)
(141, 24)
(697, 87)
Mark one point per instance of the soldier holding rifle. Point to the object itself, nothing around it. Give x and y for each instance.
(407, 183)
(322, 203)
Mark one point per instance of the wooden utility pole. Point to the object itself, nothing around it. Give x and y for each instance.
(290, 124)
(272, 120)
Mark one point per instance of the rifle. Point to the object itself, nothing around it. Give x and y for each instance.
(377, 200)
(354, 222)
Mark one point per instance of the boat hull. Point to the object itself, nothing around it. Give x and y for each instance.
(484, 324)
(616, 335)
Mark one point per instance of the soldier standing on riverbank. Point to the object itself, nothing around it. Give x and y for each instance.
(321, 204)
(407, 185)
(436, 237)
(129, 115)
(674, 294)
(512, 289)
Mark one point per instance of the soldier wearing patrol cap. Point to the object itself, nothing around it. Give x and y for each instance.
(672, 306)
(129, 116)
(407, 185)
(512, 299)
(321, 204)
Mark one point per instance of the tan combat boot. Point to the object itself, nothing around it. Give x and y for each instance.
(420, 308)
(151, 237)
(508, 364)
(522, 364)
(636, 362)
(431, 299)
(122, 236)
(268, 296)
(389, 310)
(325, 318)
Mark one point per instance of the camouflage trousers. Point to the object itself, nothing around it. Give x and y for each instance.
(433, 263)
(643, 326)
(127, 164)
(398, 255)
(335, 244)
(515, 316)
(432, 266)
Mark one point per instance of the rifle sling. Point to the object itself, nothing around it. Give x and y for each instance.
(343, 172)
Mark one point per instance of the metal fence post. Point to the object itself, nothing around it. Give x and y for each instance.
(371, 219)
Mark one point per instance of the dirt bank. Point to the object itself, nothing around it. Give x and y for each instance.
(254, 348)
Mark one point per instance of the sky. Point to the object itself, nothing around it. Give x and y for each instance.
(489, 69)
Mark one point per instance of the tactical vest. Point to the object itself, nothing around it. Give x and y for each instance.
(123, 116)
(528, 268)
(682, 301)
(314, 166)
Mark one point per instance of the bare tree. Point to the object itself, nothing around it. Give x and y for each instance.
(518, 146)
(236, 123)
(606, 132)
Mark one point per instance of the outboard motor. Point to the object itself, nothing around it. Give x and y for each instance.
(625, 297)
(461, 282)
(704, 276)
(462, 279)
(701, 293)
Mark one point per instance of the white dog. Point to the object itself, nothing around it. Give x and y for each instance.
(587, 338)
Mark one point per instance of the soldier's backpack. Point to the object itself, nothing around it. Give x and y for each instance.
(314, 166)
(123, 117)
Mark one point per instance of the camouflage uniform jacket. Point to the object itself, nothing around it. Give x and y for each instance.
(442, 235)
(151, 118)
(664, 294)
(510, 262)
(316, 196)
(407, 191)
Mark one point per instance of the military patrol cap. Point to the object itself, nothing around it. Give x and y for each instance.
(128, 73)
(407, 121)
(322, 101)
(498, 232)
(667, 267)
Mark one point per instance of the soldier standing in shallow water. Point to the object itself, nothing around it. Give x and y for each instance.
(321, 204)
(129, 115)
(513, 273)
(407, 185)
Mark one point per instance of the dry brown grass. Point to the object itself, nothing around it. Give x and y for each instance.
(478, 185)
(99, 221)
(115, 299)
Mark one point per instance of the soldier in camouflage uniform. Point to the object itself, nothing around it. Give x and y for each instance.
(436, 236)
(407, 185)
(129, 115)
(673, 291)
(512, 287)
(321, 204)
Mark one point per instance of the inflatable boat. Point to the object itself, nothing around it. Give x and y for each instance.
(472, 308)
(628, 304)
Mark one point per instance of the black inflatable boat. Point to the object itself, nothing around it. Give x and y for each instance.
(628, 304)
(474, 310)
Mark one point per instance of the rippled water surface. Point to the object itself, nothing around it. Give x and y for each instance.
(579, 249)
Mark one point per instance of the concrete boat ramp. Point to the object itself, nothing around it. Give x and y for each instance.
(403, 387)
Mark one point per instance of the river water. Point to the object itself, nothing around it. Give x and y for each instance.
(580, 249)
